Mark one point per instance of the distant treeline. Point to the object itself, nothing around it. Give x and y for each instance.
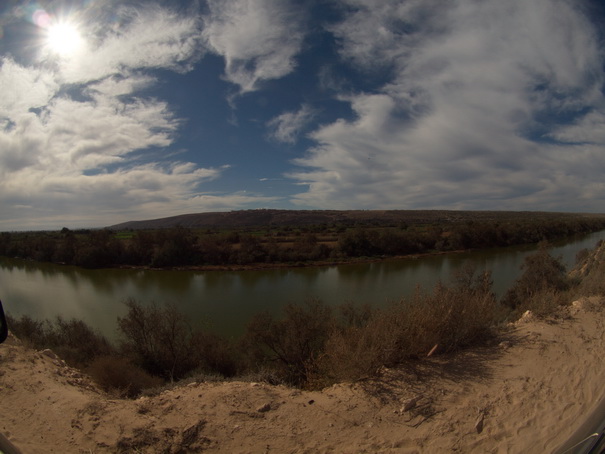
(185, 247)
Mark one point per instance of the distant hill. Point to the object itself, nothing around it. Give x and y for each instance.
(262, 217)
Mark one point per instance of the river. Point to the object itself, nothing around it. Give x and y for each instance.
(224, 301)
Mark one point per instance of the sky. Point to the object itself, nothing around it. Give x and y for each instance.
(118, 110)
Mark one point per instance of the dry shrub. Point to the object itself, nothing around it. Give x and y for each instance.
(449, 317)
(263, 375)
(353, 349)
(292, 345)
(73, 340)
(77, 343)
(545, 303)
(590, 271)
(215, 354)
(354, 353)
(30, 331)
(542, 273)
(453, 316)
(118, 375)
(159, 339)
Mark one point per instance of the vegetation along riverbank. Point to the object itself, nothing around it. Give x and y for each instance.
(312, 346)
(275, 238)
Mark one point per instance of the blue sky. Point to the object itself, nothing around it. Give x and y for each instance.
(120, 110)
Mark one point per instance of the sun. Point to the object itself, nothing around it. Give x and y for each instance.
(63, 38)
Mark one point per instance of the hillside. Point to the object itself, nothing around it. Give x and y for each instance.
(526, 392)
(251, 218)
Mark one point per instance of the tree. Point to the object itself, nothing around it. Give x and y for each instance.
(177, 246)
(99, 249)
(159, 338)
(357, 243)
(161, 341)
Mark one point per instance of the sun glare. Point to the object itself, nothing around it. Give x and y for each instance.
(64, 39)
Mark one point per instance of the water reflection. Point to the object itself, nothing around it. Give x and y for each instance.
(224, 301)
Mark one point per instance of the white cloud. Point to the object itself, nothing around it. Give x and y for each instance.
(23, 88)
(287, 126)
(258, 39)
(461, 122)
(587, 129)
(68, 156)
(152, 37)
(114, 86)
(74, 157)
(142, 191)
(72, 165)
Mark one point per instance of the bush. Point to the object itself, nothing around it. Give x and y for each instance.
(119, 375)
(215, 354)
(311, 347)
(454, 316)
(451, 317)
(355, 352)
(73, 340)
(545, 303)
(77, 343)
(293, 344)
(158, 339)
(542, 273)
(29, 330)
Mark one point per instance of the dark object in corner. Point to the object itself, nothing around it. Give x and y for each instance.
(3, 325)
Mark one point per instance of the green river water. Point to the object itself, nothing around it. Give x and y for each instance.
(224, 301)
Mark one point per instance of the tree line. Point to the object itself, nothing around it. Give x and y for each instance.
(185, 247)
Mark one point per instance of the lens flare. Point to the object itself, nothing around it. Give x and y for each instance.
(41, 18)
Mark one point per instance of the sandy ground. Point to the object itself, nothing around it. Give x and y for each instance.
(526, 393)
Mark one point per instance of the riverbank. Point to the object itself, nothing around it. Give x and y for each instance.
(525, 392)
(226, 301)
(293, 265)
(276, 245)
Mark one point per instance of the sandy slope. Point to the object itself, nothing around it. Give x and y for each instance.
(531, 388)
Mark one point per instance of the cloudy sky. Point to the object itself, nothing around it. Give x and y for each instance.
(115, 110)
